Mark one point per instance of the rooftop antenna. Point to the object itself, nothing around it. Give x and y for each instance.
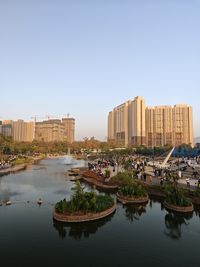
(34, 118)
(48, 117)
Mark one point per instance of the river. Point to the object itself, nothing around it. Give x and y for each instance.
(133, 236)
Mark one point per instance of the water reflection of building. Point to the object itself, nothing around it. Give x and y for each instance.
(174, 223)
(80, 230)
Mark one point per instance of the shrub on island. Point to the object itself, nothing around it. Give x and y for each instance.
(122, 179)
(133, 193)
(135, 190)
(175, 196)
(84, 202)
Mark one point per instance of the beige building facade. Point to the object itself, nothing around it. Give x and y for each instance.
(126, 123)
(132, 123)
(137, 122)
(69, 129)
(121, 124)
(23, 131)
(167, 125)
(55, 130)
(20, 130)
(111, 126)
(49, 131)
(159, 126)
(183, 125)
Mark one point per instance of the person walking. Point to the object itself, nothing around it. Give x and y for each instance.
(188, 182)
(198, 185)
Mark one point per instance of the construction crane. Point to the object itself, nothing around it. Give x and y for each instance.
(66, 115)
(35, 118)
(51, 117)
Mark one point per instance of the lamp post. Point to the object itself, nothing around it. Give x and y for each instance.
(153, 155)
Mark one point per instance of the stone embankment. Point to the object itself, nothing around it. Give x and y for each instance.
(98, 181)
(175, 208)
(133, 200)
(73, 218)
(14, 169)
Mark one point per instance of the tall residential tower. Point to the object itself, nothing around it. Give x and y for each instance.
(132, 123)
(126, 123)
(56, 130)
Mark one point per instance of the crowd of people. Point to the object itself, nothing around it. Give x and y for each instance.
(138, 166)
(99, 166)
(4, 165)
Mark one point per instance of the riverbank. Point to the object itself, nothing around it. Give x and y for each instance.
(13, 169)
(153, 190)
(20, 165)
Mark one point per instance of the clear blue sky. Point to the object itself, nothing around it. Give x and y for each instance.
(84, 57)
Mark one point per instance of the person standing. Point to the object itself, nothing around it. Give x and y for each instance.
(188, 182)
(198, 185)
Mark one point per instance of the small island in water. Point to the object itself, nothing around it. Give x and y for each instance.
(84, 206)
(134, 193)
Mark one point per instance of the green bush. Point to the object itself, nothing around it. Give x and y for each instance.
(84, 202)
(174, 194)
(122, 179)
(134, 190)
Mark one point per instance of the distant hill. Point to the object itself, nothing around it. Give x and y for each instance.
(197, 140)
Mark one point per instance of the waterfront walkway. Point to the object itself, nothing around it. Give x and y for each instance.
(14, 169)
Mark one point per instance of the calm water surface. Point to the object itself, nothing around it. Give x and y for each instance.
(133, 236)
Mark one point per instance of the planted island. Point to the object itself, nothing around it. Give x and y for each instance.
(84, 206)
(133, 193)
(176, 199)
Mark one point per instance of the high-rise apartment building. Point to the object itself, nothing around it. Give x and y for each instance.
(167, 125)
(183, 125)
(121, 124)
(159, 126)
(111, 126)
(23, 131)
(69, 129)
(6, 128)
(137, 121)
(49, 131)
(0, 127)
(126, 123)
(133, 123)
(56, 130)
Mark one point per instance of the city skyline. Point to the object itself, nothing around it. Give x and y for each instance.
(134, 123)
(84, 59)
(60, 130)
(90, 133)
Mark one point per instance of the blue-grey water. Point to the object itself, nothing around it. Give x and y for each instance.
(133, 236)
